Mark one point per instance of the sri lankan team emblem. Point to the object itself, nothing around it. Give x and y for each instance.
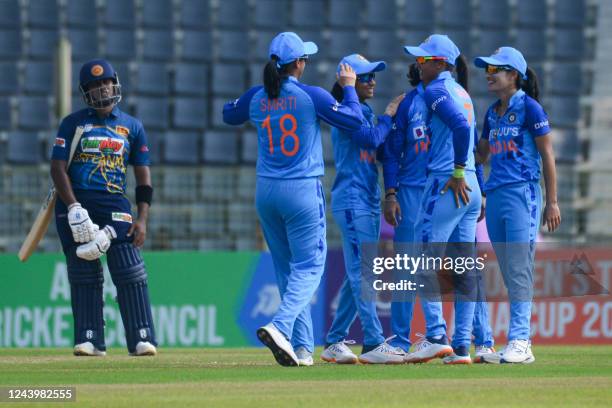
(121, 130)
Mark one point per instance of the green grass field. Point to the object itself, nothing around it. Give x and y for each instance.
(560, 377)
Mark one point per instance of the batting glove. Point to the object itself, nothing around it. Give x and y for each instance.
(83, 229)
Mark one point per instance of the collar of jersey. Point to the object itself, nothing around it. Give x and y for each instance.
(443, 75)
(114, 113)
(292, 78)
(514, 99)
(420, 89)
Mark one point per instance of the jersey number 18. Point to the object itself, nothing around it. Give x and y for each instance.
(284, 135)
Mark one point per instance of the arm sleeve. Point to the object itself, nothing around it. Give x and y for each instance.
(371, 137)
(63, 140)
(139, 153)
(237, 111)
(345, 116)
(392, 148)
(441, 103)
(536, 118)
(480, 177)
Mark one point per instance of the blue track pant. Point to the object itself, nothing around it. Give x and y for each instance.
(513, 219)
(357, 227)
(292, 215)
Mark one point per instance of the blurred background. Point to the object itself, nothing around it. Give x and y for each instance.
(179, 61)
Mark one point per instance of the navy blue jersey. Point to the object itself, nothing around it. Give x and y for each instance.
(289, 137)
(514, 155)
(106, 147)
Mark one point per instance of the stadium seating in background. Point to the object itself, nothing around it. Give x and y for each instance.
(157, 45)
(494, 15)
(119, 13)
(152, 111)
(220, 147)
(343, 14)
(194, 14)
(190, 113)
(119, 44)
(81, 14)
(569, 13)
(9, 78)
(455, 14)
(233, 14)
(42, 44)
(23, 148)
(84, 44)
(34, 112)
(181, 148)
(270, 14)
(151, 78)
(10, 14)
(380, 14)
(38, 78)
(308, 14)
(195, 46)
(157, 14)
(42, 14)
(248, 147)
(10, 43)
(191, 79)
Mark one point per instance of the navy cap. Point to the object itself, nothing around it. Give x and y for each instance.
(289, 46)
(436, 45)
(361, 65)
(505, 56)
(95, 70)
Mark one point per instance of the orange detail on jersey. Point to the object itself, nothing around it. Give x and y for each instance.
(60, 142)
(367, 156)
(97, 70)
(503, 146)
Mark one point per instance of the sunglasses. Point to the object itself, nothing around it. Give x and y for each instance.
(422, 60)
(494, 69)
(366, 78)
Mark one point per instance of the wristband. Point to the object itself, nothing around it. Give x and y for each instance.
(458, 173)
(144, 194)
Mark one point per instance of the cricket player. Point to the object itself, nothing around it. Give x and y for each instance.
(356, 210)
(446, 217)
(516, 134)
(404, 169)
(289, 196)
(93, 216)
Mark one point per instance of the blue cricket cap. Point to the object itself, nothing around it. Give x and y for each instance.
(505, 56)
(95, 70)
(436, 45)
(361, 65)
(289, 46)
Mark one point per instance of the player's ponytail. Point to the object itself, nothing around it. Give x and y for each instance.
(529, 85)
(272, 78)
(337, 92)
(414, 76)
(461, 68)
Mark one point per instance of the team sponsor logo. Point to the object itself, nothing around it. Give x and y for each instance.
(512, 117)
(367, 156)
(418, 117)
(104, 145)
(540, 125)
(121, 130)
(511, 131)
(435, 103)
(335, 106)
(497, 51)
(144, 149)
(59, 142)
(121, 217)
(418, 132)
(361, 57)
(97, 70)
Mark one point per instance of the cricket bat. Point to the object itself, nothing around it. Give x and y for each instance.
(41, 223)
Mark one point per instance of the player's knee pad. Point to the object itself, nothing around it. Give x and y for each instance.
(86, 279)
(130, 277)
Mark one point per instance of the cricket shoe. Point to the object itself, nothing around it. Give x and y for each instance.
(144, 348)
(339, 353)
(278, 344)
(304, 356)
(481, 351)
(87, 349)
(460, 355)
(383, 354)
(426, 349)
(518, 356)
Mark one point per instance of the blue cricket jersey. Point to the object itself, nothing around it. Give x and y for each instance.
(406, 148)
(451, 126)
(106, 147)
(356, 184)
(514, 155)
(288, 132)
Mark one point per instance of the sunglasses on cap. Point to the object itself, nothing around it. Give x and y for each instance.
(422, 60)
(366, 78)
(494, 69)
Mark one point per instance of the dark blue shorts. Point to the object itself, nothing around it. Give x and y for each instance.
(103, 208)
